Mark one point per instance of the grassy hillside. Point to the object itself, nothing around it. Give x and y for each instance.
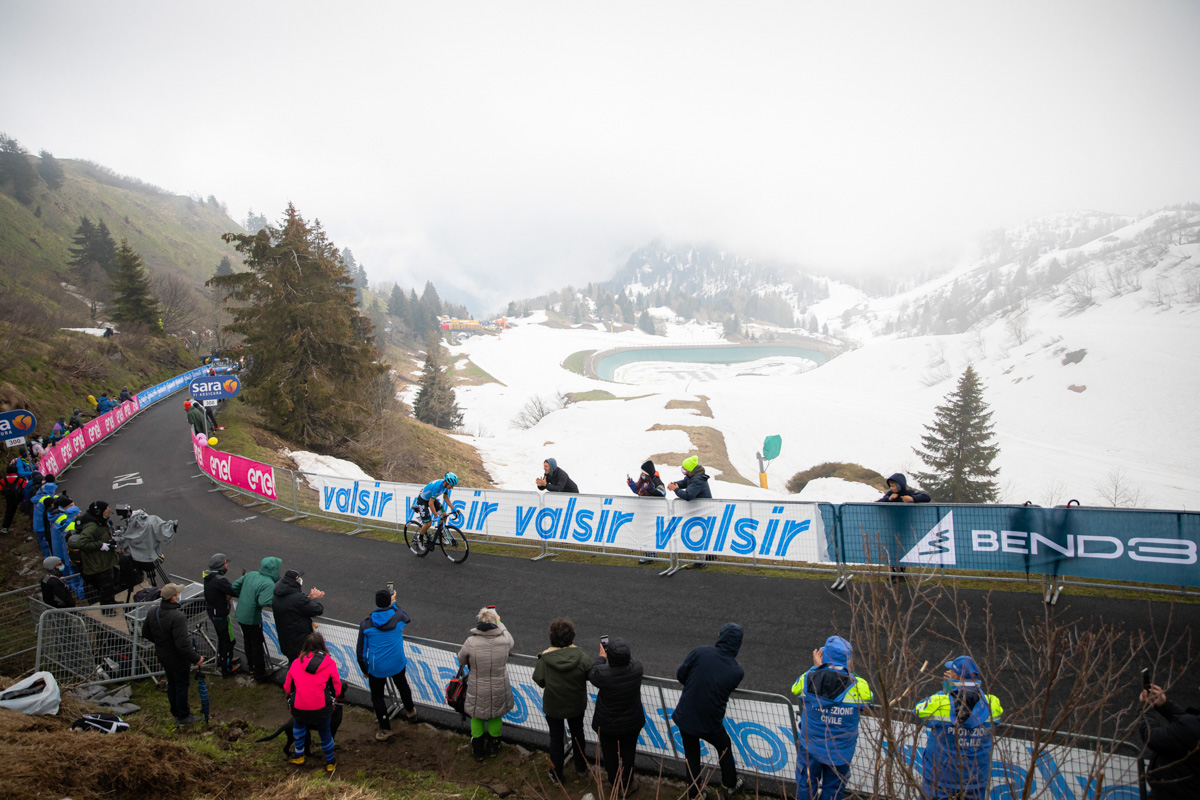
(170, 232)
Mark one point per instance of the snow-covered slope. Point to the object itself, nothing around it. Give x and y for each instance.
(1092, 374)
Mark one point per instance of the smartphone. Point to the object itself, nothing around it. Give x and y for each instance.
(1146, 679)
(604, 641)
(391, 587)
(493, 608)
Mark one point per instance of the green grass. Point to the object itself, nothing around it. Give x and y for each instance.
(595, 394)
(575, 361)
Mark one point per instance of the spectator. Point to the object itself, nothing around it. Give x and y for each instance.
(709, 675)
(58, 431)
(255, 591)
(489, 695)
(196, 417)
(167, 628)
(11, 485)
(1174, 747)
(832, 696)
(695, 482)
(648, 483)
(555, 479)
(62, 527)
(126, 395)
(898, 492)
(294, 612)
(562, 671)
(957, 759)
(380, 651)
(33, 483)
(103, 405)
(217, 593)
(619, 716)
(94, 539)
(54, 589)
(24, 467)
(41, 500)
(312, 686)
(76, 420)
(36, 448)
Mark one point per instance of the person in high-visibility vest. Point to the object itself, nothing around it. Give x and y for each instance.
(833, 697)
(959, 720)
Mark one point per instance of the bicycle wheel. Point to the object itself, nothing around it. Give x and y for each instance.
(454, 544)
(418, 544)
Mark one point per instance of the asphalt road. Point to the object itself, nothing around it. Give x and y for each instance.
(662, 618)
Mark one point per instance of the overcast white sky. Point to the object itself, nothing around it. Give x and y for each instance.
(505, 149)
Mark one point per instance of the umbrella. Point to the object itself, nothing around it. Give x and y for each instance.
(203, 684)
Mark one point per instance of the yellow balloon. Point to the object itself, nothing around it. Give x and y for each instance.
(212, 441)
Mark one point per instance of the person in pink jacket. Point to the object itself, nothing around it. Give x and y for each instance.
(312, 683)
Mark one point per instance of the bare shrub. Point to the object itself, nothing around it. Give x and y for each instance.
(1018, 327)
(76, 360)
(536, 409)
(1116, 490)
(1080, 290)
(178, 302)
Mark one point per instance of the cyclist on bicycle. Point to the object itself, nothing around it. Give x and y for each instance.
(429, 499)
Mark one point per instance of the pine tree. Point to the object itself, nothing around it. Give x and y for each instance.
(225, 267)
(82, 244)
(397, 303)
(314, 354)
(16, 170)
(435, 402)
(958, 448)
(646, 322)
(104, 249)
(133, 302)
(50, 170)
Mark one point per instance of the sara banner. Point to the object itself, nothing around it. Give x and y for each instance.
(214, 388)
(241, 473)
(1113, 544)
(166, 388)
(761, 731)
(766, 530)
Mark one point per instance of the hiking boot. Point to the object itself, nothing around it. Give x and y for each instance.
(728, 792)
(188, 720)
(330, 767)
(298, 760)
(479, 748)
(382, 735)
(634, 785)
(493, 746)
(410, 716)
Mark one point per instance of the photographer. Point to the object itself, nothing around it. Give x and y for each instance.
(98, 553)
(167, 628)
(142, 539)
(1174, 747)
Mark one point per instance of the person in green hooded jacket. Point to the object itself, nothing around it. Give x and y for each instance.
(562, 671)
(255, 591)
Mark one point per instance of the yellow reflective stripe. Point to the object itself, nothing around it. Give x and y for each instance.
(935, 705)
(995, 704)
(859, 693)
(798, 686)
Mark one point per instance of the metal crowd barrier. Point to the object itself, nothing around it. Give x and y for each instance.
(18, 632)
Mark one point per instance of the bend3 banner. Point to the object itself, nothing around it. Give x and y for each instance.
(1128, 545)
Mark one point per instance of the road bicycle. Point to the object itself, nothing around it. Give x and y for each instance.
(444, 533)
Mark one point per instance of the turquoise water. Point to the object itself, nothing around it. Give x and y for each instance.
(607, 366)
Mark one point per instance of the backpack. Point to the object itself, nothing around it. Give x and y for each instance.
(102, 722)
(456, 692)
(147, 595)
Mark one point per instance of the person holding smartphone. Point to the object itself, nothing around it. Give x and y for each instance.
(1174, 746)
(619, 716)
(562, 671)
(380, 654)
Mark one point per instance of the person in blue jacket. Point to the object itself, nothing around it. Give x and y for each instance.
(898, 492)
(21, 462)
(959, 720)
(41, 498)
(104, 405)
(62, 525)
(380, 652)
(833, 697)
(709, 675)
(428, 503)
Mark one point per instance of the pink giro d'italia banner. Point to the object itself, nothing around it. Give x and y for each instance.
(239, 472)
(60, 456)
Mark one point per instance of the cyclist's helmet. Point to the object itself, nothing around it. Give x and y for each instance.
(451, 479)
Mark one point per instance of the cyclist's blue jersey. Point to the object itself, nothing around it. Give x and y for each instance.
(433, 489)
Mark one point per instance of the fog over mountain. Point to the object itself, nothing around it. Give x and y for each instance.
(527, 146)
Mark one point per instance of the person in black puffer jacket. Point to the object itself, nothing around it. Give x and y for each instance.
(294, 612)
(1174, 746)
(217, 593)
(167, 628)
(619, 716)
(709, 675)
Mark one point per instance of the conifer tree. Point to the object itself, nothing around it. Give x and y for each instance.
(132, 300)
(16, 171)
(103, 250)
(50, 170)
(959, 448)
(646, 322)
(314, 354)
(435, 402)
(225, 267)
(397, 302)
(82, 244)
